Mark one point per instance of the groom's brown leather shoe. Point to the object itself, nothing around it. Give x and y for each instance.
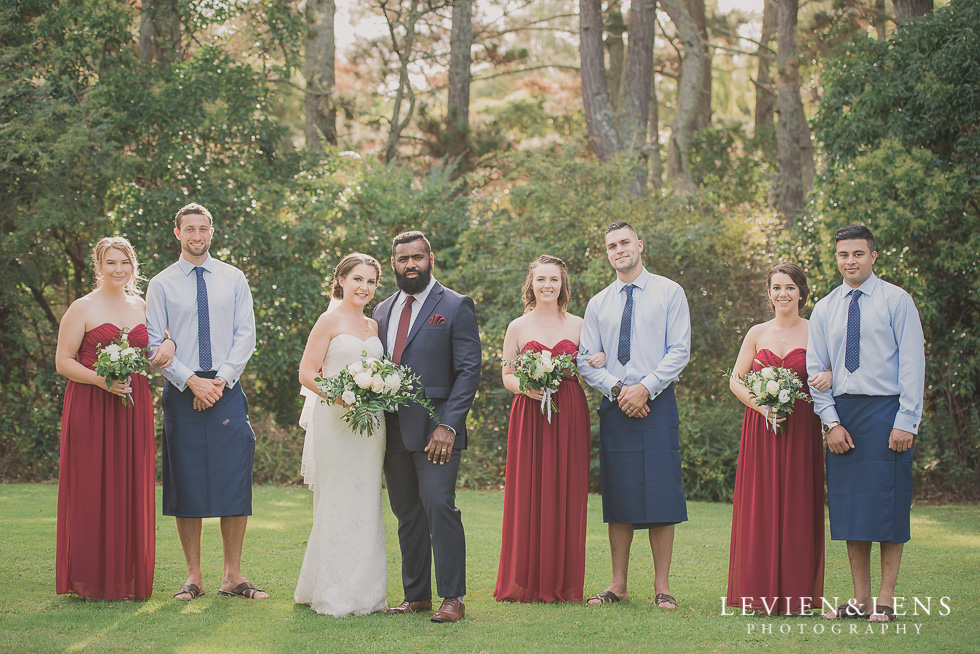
(410, 607)
(452, 609)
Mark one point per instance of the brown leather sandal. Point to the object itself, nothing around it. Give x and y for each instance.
(244, 589)
(189, 589)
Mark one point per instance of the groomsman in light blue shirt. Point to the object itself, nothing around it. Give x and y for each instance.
(642, 323)
(205, 307)
(868, 333)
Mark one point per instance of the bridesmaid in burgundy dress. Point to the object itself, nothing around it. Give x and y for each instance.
(777, 549)
(106, 500)
(542, 553)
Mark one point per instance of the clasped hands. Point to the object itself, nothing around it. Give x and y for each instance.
(632, 401)
(206, 391)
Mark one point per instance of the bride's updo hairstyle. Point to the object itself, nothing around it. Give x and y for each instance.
(347, 264)
(528, 291)
(123, 245)
(796, 274)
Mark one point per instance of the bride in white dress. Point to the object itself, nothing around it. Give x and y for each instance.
(344, 569)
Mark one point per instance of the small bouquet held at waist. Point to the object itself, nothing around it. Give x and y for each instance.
(541, 371)
(370, 386)
(119, 360)
(776, 389)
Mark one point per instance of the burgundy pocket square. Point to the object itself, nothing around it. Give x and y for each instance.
(437, 319)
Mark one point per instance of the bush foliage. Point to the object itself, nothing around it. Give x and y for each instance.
(97, 142)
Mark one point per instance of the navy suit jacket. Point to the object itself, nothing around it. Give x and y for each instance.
(443, 349)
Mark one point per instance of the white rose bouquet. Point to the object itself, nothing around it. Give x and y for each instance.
(542, 372)
(370, 386)
(119, 360)
(775, 388)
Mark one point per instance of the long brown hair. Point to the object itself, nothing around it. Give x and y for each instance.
(347, 264)
(528, 292)
(123, 245)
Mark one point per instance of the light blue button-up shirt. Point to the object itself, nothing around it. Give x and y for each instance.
(660, 335)
(171, 307)
(893, 360)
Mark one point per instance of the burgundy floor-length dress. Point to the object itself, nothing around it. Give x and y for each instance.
(106, 543)
(542, 552)
(777, 550)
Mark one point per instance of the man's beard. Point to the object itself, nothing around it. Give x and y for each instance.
(413, 286)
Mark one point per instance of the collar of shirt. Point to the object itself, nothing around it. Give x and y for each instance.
(188, 267)
(420, 297)
(867, 288)
(641, 280)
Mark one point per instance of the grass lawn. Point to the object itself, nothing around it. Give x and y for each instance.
(942, 560)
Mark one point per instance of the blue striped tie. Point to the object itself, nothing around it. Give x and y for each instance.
(852, 349)
(626, 326)
(203, 322)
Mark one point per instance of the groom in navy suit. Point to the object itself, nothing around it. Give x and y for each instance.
(432, 330)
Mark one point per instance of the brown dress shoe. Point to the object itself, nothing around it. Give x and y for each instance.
(410, 607)
(452, 609)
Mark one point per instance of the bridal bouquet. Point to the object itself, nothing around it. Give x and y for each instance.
(119, 360)
(542, 372)
(370, 386)
(776, 388)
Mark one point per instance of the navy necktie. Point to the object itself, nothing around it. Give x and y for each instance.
(203, 322)
(852, 351)
(626, 326)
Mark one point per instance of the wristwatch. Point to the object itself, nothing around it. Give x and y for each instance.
(826, 427)
(616, 390)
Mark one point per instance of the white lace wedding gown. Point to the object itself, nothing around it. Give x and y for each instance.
(344, 569)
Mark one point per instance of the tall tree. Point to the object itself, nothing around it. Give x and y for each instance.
(906, 10)
(696, 9)
(461, 44)
(615, 30)
(626, 132)
(793, 144)
(688, 97)
(765, 97)
(319, 70)
(159, 31)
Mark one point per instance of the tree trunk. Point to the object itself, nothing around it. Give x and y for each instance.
(318, 67)
(906, 10)
(159, 31)
(765, 98)
(796, 167)
(600, 120)
(696, 9)
(615, 28)
(634, 108)
(458, 110)
(653, 142)
(688, 97)
(881, 20)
